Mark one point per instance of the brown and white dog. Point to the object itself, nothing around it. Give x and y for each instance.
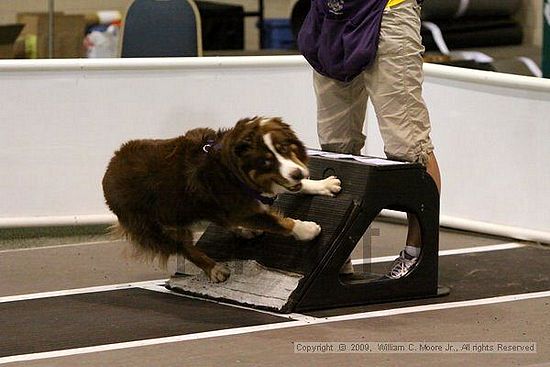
(159, 188)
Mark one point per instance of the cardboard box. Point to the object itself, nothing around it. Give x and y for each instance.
(68, 33)
(8, 35)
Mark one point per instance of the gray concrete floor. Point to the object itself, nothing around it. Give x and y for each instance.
(275, 348)
(78, 263)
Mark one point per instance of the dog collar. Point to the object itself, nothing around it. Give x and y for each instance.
(211, 145)
(267, 200)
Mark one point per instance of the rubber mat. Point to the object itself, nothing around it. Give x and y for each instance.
(90, 319)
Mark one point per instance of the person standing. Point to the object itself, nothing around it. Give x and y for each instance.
(371, 49)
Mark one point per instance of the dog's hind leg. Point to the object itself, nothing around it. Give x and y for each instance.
(147, 238)
(153, 240)
(215, 271)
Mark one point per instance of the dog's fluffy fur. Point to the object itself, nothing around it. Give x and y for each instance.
(159, 188)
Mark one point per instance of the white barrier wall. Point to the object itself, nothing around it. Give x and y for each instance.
(61, 120)
(492, 137)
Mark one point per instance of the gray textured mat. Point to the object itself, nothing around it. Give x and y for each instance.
(250, 283)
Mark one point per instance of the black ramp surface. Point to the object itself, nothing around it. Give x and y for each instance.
(477, 275)
(90, 319)
(276, 251)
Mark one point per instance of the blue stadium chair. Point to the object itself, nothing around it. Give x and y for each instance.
(162, 28)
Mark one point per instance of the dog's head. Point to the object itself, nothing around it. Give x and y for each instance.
(267, 155)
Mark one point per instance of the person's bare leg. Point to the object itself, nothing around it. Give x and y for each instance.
(413, 234)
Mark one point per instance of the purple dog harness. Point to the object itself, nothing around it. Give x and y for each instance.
(339, 38)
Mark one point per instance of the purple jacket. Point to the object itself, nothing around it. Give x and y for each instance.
(339, 38)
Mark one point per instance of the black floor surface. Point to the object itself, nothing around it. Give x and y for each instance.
(84, 320)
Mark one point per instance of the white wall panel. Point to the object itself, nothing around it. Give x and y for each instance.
(62, 119)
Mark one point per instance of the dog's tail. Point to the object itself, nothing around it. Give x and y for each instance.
(144, 246)
(117, 231)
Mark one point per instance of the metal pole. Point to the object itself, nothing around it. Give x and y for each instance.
(546, 38)
(261, 23)
(51, 27)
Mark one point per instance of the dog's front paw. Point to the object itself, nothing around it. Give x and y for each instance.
(305, 231)
(330, 186)
(219, 273)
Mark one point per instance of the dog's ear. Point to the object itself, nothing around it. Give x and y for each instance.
(244, 133)
(243, 146)
(245, 121)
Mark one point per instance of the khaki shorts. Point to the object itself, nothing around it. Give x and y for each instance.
(394, 85)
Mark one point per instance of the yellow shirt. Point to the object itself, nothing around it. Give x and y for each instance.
(393, 3)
